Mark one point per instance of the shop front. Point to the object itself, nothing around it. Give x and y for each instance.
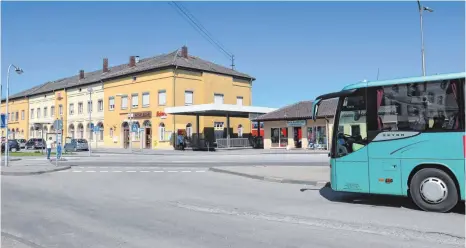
(292, 127)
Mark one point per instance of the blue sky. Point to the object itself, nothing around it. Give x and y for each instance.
(296, 50)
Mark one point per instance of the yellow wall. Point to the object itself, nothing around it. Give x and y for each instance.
(21, 124)
(203, 86)
(62, 99)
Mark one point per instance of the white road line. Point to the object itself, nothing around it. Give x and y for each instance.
(144, 171)
(172, 171)
(90, 171)
(200, 171)
(158, 171)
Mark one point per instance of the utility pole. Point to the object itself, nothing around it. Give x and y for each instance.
(89, 106)
(421, 10)
(7, 117)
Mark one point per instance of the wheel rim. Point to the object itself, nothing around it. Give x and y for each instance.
(13, 149)
(434, 190)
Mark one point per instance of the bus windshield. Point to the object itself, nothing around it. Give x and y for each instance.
(351, 135)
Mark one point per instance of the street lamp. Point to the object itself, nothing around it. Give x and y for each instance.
(89, 106)
(421, 10)
(130, 118)
(19, 71)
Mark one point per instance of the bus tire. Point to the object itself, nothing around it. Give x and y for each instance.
(433, 190)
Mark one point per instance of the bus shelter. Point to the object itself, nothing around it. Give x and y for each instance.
(218, 110)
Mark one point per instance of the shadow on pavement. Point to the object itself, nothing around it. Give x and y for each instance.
(376, 200)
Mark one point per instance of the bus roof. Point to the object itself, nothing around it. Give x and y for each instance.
(406, 80)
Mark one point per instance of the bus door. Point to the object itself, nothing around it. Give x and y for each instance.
(349, 150)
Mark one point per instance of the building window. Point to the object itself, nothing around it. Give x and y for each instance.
(189, 130)
(161, 132)
(38, 113)
(80, 108)
(124, 102)
(100, 105)
(32, 113)
(145, 99)
(45, 111)
(162, 97)
(71, 108)
(188, 97)
(60, 110)
(239, 100)
(355, 130)
(111, 133)
(17, 115)
(218, 98)
(22, 114)
(279, 137)
(240, 131)
(134, 100)
(52, 111)
(89, 106)
(111, 103)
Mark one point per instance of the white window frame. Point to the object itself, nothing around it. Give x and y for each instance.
(124, 99)
(239, 99)
(100, 105)
(111, 106)
(60, 109)
(147, 94)
(32, 113)
(164, 94)
(52, 111)
(134, 100)
(80, 108)
(187, 101)
(218, 95)
(45, 111)
(71, 108)
(22, 114)
(161, 133)
(38, 113)
(89, 106)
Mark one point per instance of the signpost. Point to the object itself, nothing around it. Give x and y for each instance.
(2, 125)
(58, 126)
(96, 130)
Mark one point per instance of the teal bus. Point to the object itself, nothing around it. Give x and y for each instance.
(401, 137)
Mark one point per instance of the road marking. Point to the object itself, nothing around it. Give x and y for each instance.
(158, 171)
(90, 171)
(172, 171)
(200, 171)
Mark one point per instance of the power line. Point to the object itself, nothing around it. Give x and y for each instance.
(202, 30)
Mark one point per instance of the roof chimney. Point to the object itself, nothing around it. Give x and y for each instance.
(132, 61)
(81, 74)
(184, 52)
(105, 65)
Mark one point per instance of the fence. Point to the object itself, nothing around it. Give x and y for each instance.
(233, 142)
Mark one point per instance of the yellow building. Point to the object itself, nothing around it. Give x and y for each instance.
(137, 92)
(17, 118)
(175, 79)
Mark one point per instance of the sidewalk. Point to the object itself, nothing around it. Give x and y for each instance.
(309, 175)
(230, 151)
(31, 167)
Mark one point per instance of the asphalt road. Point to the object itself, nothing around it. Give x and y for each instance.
(208, 209)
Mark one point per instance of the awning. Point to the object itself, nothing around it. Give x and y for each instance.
(219, 110)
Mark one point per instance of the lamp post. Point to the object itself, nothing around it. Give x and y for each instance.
(19, 71)
(130, 118)
(421, 10)
(89, 106)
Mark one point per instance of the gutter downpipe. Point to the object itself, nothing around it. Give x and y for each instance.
(174, 98)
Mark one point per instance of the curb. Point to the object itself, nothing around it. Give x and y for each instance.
(20, 173)
(12, 159)
(271, 179)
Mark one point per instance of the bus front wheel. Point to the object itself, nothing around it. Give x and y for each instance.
(433, 190)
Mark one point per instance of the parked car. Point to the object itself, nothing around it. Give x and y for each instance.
(13, 146)
(76, 144)
(35, 143)
(22, 143)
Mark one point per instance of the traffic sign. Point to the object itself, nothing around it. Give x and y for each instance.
(58, 124)
(134, 128)
(2, 125)
(96, 129)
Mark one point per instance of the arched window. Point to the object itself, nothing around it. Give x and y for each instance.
(240, 130)
(189, 130)
(90, 132)
(31, 132)
(71, 131)
(111, 133)
(101, 131)
(136, 135)
(161, 132)
(80, 131)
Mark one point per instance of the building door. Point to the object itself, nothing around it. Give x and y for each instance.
(126, 137)
(297, 134)
(148, 138)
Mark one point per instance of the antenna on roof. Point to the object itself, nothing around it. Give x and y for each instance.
(233, 62)
(378, 73)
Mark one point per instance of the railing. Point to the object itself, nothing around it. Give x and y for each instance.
(233, 142)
